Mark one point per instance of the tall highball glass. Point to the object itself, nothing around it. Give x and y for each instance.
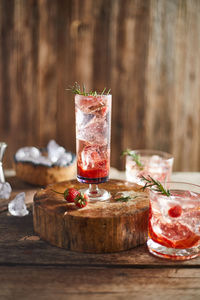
(93, 128)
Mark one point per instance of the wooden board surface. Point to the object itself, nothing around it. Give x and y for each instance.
(50, 283)
(107, 226)
(31, 268)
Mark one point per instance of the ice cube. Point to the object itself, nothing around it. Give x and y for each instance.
(94, 132)
(55, 151)
(83, 119)
(64, 160)
(94, 156)
(42, 160)
(88, 156)
(155, 161)
(27, 154)
(5, 190)
(17, 206)
(155, 164)
(90, 103)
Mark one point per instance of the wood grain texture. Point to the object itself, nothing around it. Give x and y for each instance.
(173, 70)
(92, 283)
(147, 52)
(42, 176)
(100, 227)
(31, 268)
(37, 252)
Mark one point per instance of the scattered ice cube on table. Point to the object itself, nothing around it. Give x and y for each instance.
(5, 190)
(17, 206)
(55, 151)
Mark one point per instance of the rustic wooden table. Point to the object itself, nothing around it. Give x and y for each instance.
(32, 269)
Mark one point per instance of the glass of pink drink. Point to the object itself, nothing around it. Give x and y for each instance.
(174, 222)
(157, 164)
(93, 125)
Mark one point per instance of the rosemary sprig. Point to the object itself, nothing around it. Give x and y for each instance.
(123, 199)
(134, 156)
(155, 185)
(76, 89)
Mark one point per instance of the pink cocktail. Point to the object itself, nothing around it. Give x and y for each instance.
(93, 122)
(174, 222)
(139, 163)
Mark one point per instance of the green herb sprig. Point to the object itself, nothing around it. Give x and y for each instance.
(155, 185)
(134, 156)
(77, 90)
(125, 198)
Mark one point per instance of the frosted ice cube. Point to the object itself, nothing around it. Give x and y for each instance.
(17, 206)
(90, 104)
(64, 160)
(55, 151)
(27, 154)
(155, 160)
(83, 119)
(5, 190)
(43, 161)
(89, 157)
(94, 132)
(155, 164)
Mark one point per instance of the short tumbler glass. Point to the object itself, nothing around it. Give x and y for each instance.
(174, 222)
(157, 164)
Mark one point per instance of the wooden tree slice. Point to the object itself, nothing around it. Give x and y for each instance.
(99, 227)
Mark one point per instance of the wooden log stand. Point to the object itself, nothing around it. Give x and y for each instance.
(99, 227)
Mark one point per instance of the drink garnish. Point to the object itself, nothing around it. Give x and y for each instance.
(175, 211)
(76, 89)
(81, 200)
(134, 156)
(125, 198)
(69, 194)
(155, 185)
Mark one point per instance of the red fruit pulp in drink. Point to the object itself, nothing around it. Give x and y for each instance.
(175, 211)
(187, 239)
(101, 170)
(93, 160)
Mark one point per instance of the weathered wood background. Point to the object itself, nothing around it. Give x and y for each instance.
(148, 52)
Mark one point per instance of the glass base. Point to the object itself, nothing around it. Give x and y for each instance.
(95, 194)
(172, 253)
(92, 180)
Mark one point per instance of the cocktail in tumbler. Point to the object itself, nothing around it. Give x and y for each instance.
(174, 222)
(139, 163)
(93, 122)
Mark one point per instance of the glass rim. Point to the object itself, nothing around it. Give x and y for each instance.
(98, 95)
(163, 154)
(196, 186)
(181, 182)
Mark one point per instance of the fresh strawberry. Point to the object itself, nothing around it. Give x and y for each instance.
(175, 211)
(81, 200)
(69, 194)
